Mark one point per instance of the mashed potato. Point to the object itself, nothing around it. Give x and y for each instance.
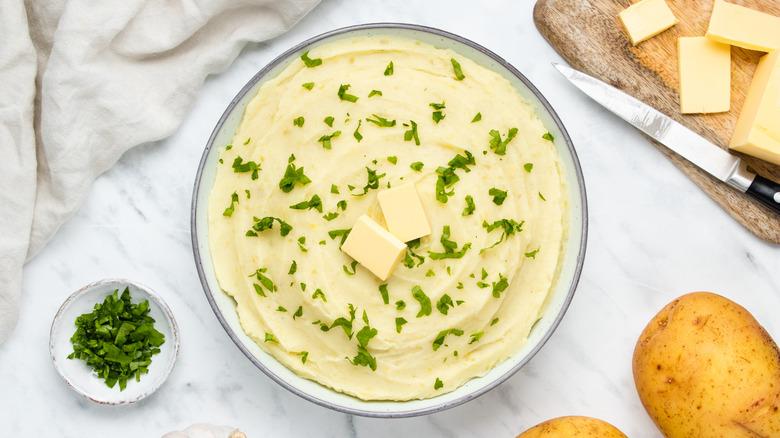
(318, 142)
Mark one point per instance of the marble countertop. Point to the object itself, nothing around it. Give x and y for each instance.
(654, 235)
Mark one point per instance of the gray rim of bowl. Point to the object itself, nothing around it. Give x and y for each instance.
(418, 28)
(157, 299)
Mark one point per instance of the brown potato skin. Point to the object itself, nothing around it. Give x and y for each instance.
(704, 367)
(574, 427)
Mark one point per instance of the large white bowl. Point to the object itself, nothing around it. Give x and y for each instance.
(573, 254)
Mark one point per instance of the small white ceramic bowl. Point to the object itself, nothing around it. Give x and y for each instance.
(79, 376)
(557, 302)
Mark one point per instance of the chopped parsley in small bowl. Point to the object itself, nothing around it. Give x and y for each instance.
(114, 341)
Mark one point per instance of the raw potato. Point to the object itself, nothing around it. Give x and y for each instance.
(704, 367)
(575, 427)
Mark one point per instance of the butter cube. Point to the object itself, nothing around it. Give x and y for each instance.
(646, 19)
(404, 212)
(374, 247)
(705, 75)
(743, 27)
(758, 129)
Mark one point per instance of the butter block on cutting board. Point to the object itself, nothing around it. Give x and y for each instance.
(758, 129)
(743, 27)
(646, 19)
(404, 212)
(374, 247)
(704, 67)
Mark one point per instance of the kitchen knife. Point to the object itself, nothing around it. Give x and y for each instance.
(691, 146)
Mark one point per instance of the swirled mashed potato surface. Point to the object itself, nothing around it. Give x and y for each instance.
(314, 148)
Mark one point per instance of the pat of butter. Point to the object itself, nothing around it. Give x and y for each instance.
(646, 19)
(374, 247)
(758, 129)
(743, 27)
(404, 212)
(705, 75)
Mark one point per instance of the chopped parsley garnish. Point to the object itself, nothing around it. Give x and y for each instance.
(271, 338)
(411, 133)
(353, 265)
(339, 233)
(484, 274)
(399, 322)
(281, 309)
(450, 247)
(499, 196)
(384, 293)
(334, 189)
(358, 136)
(458, 71)
(117, 339)
(389, 69)
(301, 243)
(408, 260)
(500, 286)
(292, 175)
(497, 145)
(329, 121)
(469, 210)
(381, 121)
(319, 294)
(308, 85)
(233, 200)
(528, 167)
(541, 196)
(494, 321)
(509, 227)
(437, 385)
(298, 312)
(447, 177)
(400, 305)
(548, 136)
(532, 254)
(437, 114)
(372, 181)
(417, 166)
(425, 302)
(477, 118)
(315, 202)
(475, 337)
(303, 355)
(342, 205)
(439, 341)
(299, 121)
(444, 304)
(267, 223)
(325, 139)
(330, 216)
(293, 268)
(343, 94)
(430, 273)
(264, 281)
(374, 93)
(363, 357)
(393, 159)
(250, 166)
(310, 63)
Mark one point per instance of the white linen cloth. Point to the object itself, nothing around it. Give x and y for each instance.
(83, 81)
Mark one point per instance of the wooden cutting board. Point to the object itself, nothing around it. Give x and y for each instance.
(589, 35)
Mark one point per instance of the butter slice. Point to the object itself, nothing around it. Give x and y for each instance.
(743, 27)
(374, 247)
(404, 213)
(646, 19)
(758, 129)
(705, 75)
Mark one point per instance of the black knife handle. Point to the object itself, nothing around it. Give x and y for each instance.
(766, 192)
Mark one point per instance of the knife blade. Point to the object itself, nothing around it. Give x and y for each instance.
(699, 151)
